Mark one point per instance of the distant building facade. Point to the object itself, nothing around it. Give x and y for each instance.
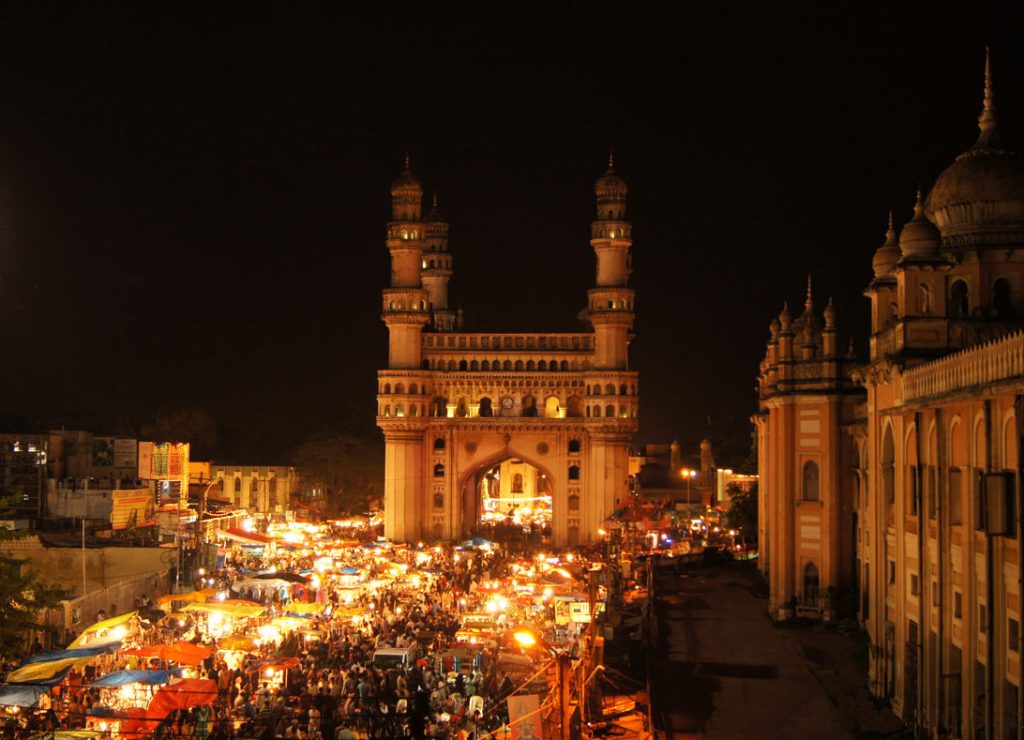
(915, 501)
(453, 405)
(262, 489)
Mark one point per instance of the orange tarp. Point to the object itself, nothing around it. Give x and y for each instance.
(180, 652)
(184, 694)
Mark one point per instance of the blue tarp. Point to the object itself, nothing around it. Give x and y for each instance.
(16, 695)
(350, 571)
(123, 678)
(86, 652)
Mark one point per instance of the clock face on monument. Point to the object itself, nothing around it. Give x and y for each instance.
(507, 403)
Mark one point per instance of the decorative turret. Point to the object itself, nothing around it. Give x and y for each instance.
(610, 304)
(887, 255)
(437, 267)
(919, 238)
(828, 334)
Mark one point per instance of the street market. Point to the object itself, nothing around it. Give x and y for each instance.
(321, 631)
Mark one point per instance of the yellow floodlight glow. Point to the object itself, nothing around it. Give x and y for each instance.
(525, 638)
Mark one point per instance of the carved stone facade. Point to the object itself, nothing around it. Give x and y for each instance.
(453, 405)
(933, 463)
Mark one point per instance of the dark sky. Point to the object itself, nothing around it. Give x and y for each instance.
(192, 203)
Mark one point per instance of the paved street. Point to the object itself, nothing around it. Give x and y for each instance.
(721, 668)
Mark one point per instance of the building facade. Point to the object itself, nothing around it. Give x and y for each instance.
(930, 462)
(454, 405)
(262, 489)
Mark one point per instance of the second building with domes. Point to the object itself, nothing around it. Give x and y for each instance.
(910, 517)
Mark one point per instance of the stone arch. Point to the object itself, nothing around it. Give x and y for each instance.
(413, 389)
(552, 407)
(519, 366)
(462, 407)
(609, 390)
(1008, 459)
(542, 366)
(564, 366)
(474, 365)
(888, 461)
(507, 365)
(596, 390)
(387, 388)
(609, 411)
(530, 366)
(439, 406)
(469, 511)
(399, 388)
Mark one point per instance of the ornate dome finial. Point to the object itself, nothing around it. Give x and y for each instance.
(919, 237)
(988, 122)
(830, 315)
(809, 302)
(887, 255)
(408, 164)
(785, 318)
(611, 160)
(434, 201)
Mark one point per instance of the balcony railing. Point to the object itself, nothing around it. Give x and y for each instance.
(999, 359)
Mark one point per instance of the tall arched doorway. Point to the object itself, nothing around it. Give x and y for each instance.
(508, 500)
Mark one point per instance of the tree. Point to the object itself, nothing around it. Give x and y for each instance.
(742, 514)
(193, 424)
(349, 468)
(23, 596)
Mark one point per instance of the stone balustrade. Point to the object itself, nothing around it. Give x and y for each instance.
(999, 359)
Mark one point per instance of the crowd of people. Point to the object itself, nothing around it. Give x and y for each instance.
(384, 653)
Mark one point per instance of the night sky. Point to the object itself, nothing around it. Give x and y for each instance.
(192, 203)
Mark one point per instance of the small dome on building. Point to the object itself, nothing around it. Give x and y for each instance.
(830, 315)
(406, 182)
(980, 195)
(887, 255)
(785, 317)
(774, 327)
(610, 184)
(919, 237)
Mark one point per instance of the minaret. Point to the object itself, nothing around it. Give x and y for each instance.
(611, 302)
(437, 268)
(401, 403)
(406, 303)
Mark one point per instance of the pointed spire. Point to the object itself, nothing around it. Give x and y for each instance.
(785, 318)
(434, 202)
(611, 160)
(809, 302)
(408, 164)
(918, 205)
(890, 233)
(988, 121)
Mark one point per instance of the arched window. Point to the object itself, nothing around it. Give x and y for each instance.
(596, 391)
(888, 468)
(564, 367)
(462, 408)
(474, 365)
(519, 366)
(439, 443)
(413, 410)
(238, 485)
(485, 407)
(399, 387)
(609, 411)
(574, 472)
(507, 365)
(1002, 302)
(439, 470)
(574, 446)
(485, 366)
(387, 388)
(811, 584)
(413, 389)
(811, 488)
(542, 366)
(439, 407)
(530, 366)
(463, 365)
(387, 410)
(254, 487)
(597, 412)
(552, 408)
(438, 504)
(959, 299)
(517, 483)
(452, 365)
(609, 390)
(924, 299)
(529, 406)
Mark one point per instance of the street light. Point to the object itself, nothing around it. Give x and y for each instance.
(528, 639)
(688, 474)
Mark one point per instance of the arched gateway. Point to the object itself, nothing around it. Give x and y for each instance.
(481, 427)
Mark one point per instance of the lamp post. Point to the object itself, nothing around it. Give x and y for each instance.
(688, 475)
(563, 663)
